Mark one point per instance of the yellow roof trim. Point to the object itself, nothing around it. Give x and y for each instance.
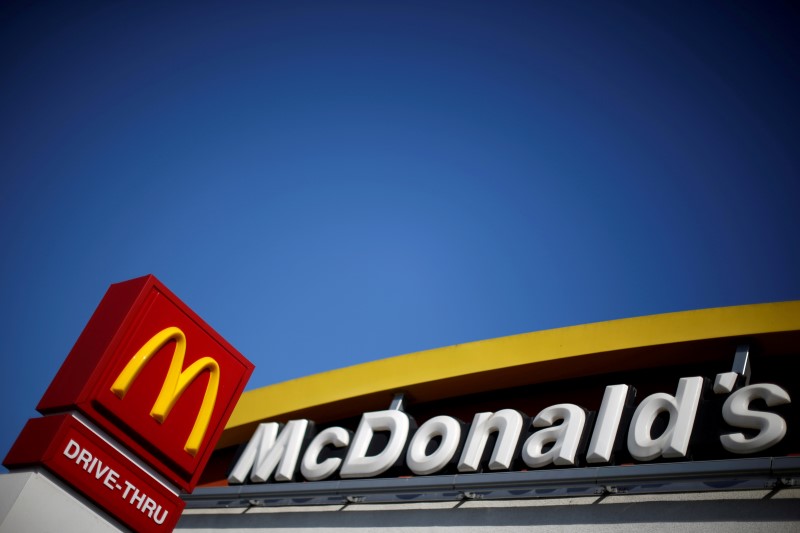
(449, 366)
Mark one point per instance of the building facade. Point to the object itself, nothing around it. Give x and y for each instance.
(678, 421)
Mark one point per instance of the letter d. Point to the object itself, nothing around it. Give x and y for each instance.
(72, 450)
(681, 408)
(357, 464)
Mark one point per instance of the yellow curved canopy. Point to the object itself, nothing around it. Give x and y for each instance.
(561, 353)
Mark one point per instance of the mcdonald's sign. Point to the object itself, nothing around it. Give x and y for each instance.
(153, 375)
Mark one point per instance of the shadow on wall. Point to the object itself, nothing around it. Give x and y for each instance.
(770, 512)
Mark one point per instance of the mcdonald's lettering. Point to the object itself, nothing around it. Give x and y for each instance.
(175, 383)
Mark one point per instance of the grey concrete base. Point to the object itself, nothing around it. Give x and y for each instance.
(750, 511)
(36, 502)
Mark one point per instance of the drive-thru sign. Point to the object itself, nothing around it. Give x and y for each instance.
(137, 406)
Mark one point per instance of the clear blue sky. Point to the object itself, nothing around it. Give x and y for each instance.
(329, 183)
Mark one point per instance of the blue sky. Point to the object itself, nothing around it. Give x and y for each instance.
(328, 183)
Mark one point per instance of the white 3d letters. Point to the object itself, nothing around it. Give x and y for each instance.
(357, 463)
(565, 437)
(266, 450)
(441, 426)
(607, 425)
(736, 412)
(508, 423)
(681, 409)
(558, 437)
(310, 466)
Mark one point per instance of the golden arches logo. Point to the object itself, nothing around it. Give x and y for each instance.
(175, 383)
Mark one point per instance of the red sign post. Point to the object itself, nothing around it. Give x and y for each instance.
(154, 377)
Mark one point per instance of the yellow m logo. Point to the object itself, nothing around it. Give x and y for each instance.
(175, 383)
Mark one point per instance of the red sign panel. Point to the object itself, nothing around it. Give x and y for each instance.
(152, 374)
(92, 466)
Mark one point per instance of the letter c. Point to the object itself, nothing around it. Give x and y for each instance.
(310, 467)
